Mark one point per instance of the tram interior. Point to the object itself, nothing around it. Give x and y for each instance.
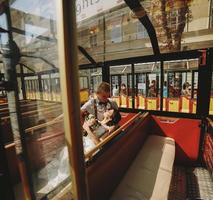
(180, 158)
(157, 156)
(162, 149)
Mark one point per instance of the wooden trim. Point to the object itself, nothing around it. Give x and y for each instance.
(210, 122)
(34, 128)
(115, 160)
(116, 132)
(6, 104)
(50, 136)
(24, 179)
(50, 109)
(39, 140)
(30, 105)
(7, 146)
(69, 81)
(3, 104)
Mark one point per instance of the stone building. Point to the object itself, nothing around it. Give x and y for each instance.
(117, 34)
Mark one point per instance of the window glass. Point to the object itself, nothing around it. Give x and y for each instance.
(34, 33)
(116, 30)
(180, 85)
(147, 86)
(89, 80)
(141, 31)
(121, 85)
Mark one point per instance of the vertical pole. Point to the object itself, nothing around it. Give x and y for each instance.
(68, 62)
(105, 74)
(104, 39)
(192, 84)
(133, 85)
(119, 83)
(168, 84)
(105, 69)
(31, 89)
(51, 88)
(204, 85)
(147, 84)
(23, 82)
(40, 87)
(161, 84)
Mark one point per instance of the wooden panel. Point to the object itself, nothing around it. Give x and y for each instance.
(185, 104)
(141, 102)
(211, 106)
(173, 105)
(194, 106)
(111, 164)
(164, 104)
(117, 100)
(185, 132)
(129, 102)
(123, 101)
(152, 104)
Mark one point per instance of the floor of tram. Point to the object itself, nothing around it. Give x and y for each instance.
(191, 183)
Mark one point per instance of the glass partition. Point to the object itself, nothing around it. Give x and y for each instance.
(147, 86)
(180, 86)
(109, 31)
(89, 81)
(121, 85)
(40, 123)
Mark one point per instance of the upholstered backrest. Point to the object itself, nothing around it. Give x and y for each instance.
(150, 174)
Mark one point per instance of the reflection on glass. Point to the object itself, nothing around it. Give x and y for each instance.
(3, 24)
(34, 32)
(89, 80)
(105, 28)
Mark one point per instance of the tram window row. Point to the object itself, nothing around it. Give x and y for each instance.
(141, 90)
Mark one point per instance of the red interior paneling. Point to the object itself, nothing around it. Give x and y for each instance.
(125, 117)
(185, 132)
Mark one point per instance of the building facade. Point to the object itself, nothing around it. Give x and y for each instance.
(118, 34)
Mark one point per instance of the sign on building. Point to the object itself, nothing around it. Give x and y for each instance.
(89, 8)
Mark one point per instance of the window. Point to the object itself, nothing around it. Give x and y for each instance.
(147, 86)
(45, 146)
(116, 30)
(211, 15)
(93, 40)
(180, 86)
(116, 34)
(174, 19)
(141, 31)
(90, 79)
(83, 82)
(121, 85)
